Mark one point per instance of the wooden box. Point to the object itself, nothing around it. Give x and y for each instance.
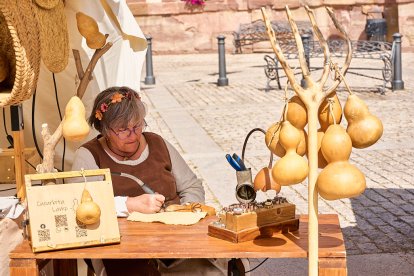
(52, 211)
(7, 175)
(260, 223)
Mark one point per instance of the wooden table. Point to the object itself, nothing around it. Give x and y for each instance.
(156, 240)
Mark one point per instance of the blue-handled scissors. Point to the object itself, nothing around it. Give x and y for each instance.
(239, 161)
(233, 163)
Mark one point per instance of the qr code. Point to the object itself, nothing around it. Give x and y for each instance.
(81, 232)
(61, 221)
(44, 235)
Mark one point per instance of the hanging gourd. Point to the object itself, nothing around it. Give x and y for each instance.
(364, 128)
(321, 159)
(75, 128)
(89, 29)
(339, 179)
(88, 212)
(325, 115)
(264, 181)
(291, 168)
(296, 115)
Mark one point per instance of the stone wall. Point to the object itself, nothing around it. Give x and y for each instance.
(178, 28)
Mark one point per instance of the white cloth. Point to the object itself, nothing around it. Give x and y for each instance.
(189, 187)
(10, 207)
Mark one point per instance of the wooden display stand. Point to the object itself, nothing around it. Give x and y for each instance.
(52, 211)
(8, 167)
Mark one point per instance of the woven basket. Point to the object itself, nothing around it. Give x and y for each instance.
(19, 42)
(54, 37)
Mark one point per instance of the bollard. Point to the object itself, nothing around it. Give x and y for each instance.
(222, 80)
(149, 78)
(306, 46)
(397, 82)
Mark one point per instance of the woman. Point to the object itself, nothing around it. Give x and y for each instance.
(122, 146)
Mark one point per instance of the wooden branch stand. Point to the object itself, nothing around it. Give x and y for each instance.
(312, 97)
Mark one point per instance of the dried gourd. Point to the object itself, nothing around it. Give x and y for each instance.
(321, 159)
(339, 179)
(324, 114)
(89, 29)
(264, 181)
(364, 128)
(291, 168)
(272, 141)
(75, 128)
(4, 68)
(88, 212)
(296, 113)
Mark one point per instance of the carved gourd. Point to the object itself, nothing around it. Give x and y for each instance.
(88, 212)
(339, 179)
(89, 29)
(291, 168)
(75, 128)
(364, 128)
(264, 181)
(324, 114)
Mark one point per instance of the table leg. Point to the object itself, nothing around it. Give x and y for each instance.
(63, 267)
(235, 268)
(23, 267)
(332, 267)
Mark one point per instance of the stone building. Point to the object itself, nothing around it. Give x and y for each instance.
(180, 28)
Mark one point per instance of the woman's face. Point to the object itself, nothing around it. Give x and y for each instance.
(126, 139)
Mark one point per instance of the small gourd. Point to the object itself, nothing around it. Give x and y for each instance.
(291, 168)
(89, 29)
(272, 134)
(75, 128)
(296, 113)
(364, 128)
(4, 68)
(264, 181)
(88, 212)
(324, 114)
(339, 179)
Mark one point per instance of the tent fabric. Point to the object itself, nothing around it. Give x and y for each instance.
(120, 66)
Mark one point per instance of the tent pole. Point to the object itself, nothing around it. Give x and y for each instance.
(16, 115)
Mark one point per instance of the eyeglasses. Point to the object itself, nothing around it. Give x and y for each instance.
(137, 129)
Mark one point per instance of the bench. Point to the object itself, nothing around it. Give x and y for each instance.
(366, 50)
(254, 32)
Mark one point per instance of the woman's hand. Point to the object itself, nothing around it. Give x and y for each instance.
(146, 203)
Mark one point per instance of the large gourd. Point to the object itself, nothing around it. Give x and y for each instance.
(75, 128)
(89, 29)
(291, 168)
(88, 212)
(339, 179)
(364, 128)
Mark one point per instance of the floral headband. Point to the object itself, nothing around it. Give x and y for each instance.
(117, 97)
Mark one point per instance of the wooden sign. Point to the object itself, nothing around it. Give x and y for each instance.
(52, 211)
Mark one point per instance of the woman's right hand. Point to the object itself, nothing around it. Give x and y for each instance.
(146, 203)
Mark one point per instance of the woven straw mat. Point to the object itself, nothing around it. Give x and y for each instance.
(54, 38)
(19, 42)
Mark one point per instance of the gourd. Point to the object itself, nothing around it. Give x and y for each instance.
(324, 114)
(89, 29)
(4, 68)
(88, 212)
(291, 168)
(364, 128)
(321, 159)
(75, 128)
(339, 179)
(264, 181)
(297, 116)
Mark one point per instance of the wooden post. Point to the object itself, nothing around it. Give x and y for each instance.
(16, 115)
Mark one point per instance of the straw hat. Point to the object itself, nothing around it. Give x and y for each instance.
(20, 45)
(54, 38)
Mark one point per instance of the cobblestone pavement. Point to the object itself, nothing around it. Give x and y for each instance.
(379, 221)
